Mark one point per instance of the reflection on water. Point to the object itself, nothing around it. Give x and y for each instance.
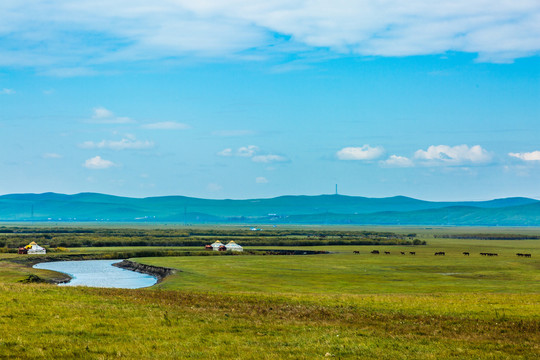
(99, 273)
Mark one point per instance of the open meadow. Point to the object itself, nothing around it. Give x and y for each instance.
(341, 305)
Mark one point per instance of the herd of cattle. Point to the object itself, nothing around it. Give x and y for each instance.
(442, 253)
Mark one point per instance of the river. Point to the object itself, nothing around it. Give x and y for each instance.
(99, 273)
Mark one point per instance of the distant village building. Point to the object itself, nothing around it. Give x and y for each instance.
(215, 246)
(219, 246)
(232, 246)
(32, 248)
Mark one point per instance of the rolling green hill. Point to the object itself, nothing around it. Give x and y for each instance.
(322, 209)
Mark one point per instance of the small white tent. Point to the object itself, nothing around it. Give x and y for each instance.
(232, 246)
(34, 248)
(216, 245)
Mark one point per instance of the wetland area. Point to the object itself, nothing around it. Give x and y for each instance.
(343, 303)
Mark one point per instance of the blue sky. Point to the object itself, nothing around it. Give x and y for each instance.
(245, 99)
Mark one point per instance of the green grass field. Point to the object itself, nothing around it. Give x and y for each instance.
(343, 272)
(341, 305)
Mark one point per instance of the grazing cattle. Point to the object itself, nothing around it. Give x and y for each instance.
(527, 255)
(441, 253)
(412, 252)
(489, 254)
(402, 253)
(466, 253)
(387, 252)
(375, 252)
(356, 252)
(519, 254)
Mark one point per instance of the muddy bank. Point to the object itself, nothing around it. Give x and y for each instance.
(159, 272)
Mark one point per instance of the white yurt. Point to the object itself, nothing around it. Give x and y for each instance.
(216, 245)
(232, 246)
(34, 248)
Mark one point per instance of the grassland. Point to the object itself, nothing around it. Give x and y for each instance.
(341, 305)
(343, 272)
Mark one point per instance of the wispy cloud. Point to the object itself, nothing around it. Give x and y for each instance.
(51, 156)
(365, 152)
(166, 125)
(498, 31)
(214, 187)
(254, 153)
(269, 158)
(247, 151)
(5, 91)
(261, 180)
(527, 156)
(98, 163)
(102, 115)
(226, 152)
(124, 144)
(233, 133)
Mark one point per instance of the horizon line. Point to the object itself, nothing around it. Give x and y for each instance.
(272, 197)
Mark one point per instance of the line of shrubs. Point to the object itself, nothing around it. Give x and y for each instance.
(54, 243)
(161, 233)
(488, 236)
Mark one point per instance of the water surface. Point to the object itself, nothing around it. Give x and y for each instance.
(99, 273)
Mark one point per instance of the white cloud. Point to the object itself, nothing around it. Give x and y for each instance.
(261, 180)
(247, 151)
(51, 156)
(102, 115)
(397, 161)
(225, 152)
(134, 30)
(166, 125)
(365, 152)
(528, 156)
(7, 91)
(453, 155)
(97, 163)
(269, 158)
(124, 144)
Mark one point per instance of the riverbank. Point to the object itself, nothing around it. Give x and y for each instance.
(157, 271)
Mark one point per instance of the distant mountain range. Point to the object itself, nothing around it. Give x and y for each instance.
(321, 209)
